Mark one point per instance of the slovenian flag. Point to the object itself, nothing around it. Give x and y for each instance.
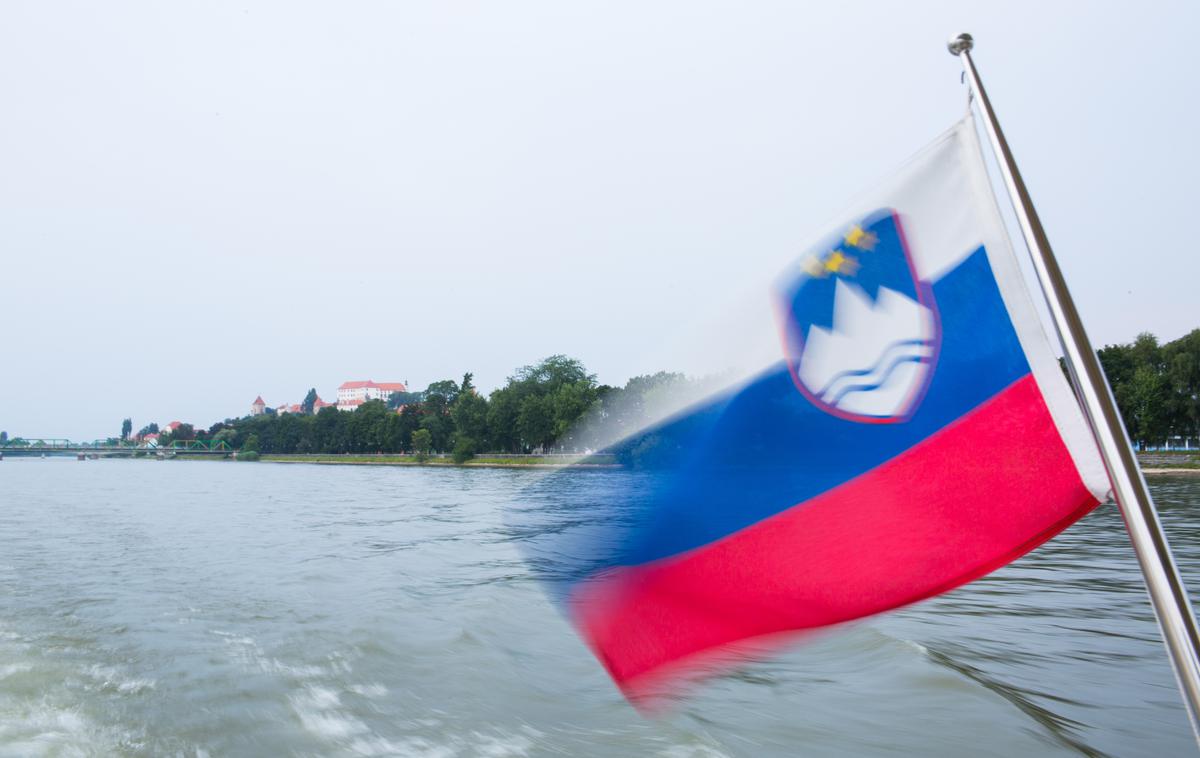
(912, 432)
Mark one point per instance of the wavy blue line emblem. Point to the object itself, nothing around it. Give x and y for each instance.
(861, 332)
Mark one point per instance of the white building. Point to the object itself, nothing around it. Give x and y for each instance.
(353, 394)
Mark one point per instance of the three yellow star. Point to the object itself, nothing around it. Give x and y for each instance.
(840, 263)
(813, 266)
(856, 237)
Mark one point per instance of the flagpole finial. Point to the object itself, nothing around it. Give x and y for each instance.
(960, 43)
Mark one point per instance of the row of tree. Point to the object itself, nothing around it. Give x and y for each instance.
(539, 409)
(1157, 386)
(542, 407)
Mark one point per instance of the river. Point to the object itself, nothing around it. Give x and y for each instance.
(221, 609)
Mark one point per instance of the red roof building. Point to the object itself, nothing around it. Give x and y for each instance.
(351, 405)
(366, 390)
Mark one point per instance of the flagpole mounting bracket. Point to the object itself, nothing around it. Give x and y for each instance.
(960, 43)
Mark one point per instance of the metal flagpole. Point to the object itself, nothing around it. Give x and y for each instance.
(1166, 589)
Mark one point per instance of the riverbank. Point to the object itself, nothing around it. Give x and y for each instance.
(1182, 464)
(481, 461)
(1173, 462)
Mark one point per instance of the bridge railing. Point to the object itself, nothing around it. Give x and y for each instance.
(49, 443)
(206, 445)
(18, 443)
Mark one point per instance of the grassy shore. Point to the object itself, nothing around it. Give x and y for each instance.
(1174, 462)
(1152, 463)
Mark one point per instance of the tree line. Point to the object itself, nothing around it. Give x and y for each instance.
(538, 410)
(541, 406)
(1157, 386)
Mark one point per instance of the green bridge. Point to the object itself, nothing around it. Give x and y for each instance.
(96, 448)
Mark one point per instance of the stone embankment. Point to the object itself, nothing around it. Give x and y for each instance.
(1174, 462)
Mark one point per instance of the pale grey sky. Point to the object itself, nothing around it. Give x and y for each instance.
(202, 202)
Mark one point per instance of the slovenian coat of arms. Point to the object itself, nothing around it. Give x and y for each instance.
(861, 331)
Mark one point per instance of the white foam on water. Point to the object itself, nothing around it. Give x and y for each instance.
(320, 697)
(916, 646)
(276, 666)
(53, 731)
(506, 746)
(110, 678)
(368, 690)
(478, 746)
(14, 668)
(692, 751)
(318, 709)
(246, 650)
(414, 747)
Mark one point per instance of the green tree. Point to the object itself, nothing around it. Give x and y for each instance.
(422, 441)
(535, 423)
(503, 407)
(310, 400)
(469, 412)
(3, 437)
(1143, 399)
(435, 412)
(1181, 360)
(330, 431)
(399, 400)
(126, 429)
(1146, 352)
(464, 449)
(567, 405)
(408, 421)
(251, 444)
(533, 408)
(368, 427)
(1118, 364)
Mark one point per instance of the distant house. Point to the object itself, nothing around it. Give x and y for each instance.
(353, 394)
(171, 427)
(350, 405)
(150, 440)
(318, 404)
(258, 407)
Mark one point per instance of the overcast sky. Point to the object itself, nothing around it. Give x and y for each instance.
(204, 202)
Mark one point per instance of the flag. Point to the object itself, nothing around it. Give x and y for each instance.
(913, 432)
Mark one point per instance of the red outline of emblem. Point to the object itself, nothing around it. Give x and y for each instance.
(791, 335)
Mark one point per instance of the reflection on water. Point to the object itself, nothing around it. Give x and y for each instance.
(217, 609)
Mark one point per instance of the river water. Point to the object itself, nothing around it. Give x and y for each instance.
(213, 609)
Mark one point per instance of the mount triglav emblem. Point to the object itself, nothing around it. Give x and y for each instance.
(861, 331)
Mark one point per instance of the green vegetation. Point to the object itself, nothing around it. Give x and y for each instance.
(483, 461)
(1157, 386)
(464, 449)
(540, 408)
(422, 440)
(310, 400)
(537, 411)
